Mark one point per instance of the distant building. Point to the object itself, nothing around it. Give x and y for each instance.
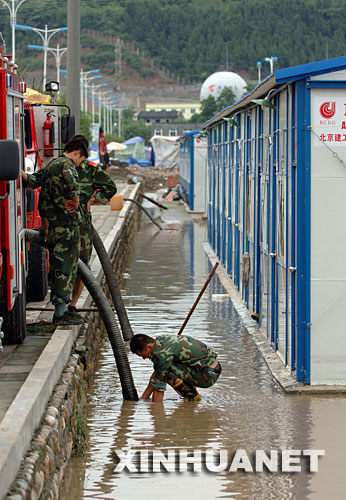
(173, 129)
(158, 116)
(185, 108)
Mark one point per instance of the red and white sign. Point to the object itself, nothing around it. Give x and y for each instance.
(201, 142)
(329, 121)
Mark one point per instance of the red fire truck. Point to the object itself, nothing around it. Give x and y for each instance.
(13, 258)
(38, 263)
(23, 134)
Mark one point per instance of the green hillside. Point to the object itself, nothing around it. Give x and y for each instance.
(190, 37)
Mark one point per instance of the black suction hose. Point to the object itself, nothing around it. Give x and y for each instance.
(126, 380)
(144, 210)
(113, 286)
(114, 335)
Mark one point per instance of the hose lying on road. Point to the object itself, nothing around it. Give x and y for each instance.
(144, 210)
(95, 290)
(113, 286)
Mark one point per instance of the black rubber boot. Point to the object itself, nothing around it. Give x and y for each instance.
(188, 392)
(67, 319)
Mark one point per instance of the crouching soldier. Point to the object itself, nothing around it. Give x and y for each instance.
(181, 361)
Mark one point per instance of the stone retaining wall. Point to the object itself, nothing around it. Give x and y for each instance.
(62, 428)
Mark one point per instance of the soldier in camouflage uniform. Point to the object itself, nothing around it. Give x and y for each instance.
(58, 207)
(95, 187)
(181, 361)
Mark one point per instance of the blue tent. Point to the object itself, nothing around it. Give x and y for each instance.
(133, 140)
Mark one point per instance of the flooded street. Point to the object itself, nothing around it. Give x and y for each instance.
(245, 409)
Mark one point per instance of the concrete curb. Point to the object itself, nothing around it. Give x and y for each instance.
(25, 412)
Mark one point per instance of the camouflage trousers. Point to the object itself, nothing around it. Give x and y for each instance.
(194, 375)
(86, 238)
(63, 245)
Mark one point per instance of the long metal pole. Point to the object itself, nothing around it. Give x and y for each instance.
(198, 299)
(93, 102)
(86, 95)
(13, 21)
(104, 114)
(81, 89)
(73, 60)
(45, 52)
(58, 64)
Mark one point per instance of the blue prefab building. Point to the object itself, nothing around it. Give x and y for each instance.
(193, 169)
(276, 212)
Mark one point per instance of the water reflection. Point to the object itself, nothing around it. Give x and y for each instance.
(245, 409)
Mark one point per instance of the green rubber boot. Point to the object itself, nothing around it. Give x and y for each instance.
(188, 392)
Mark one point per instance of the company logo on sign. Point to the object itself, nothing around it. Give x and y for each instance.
(327, 109)
(212, 87)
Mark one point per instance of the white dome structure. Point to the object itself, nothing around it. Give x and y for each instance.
(216, 82)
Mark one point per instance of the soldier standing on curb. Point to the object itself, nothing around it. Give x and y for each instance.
(58, 207)
(181, 361)
(95, 187)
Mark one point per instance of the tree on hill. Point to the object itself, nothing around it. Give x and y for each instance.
(190, 37)
(225, 99)
(208, 109)
(210, 106)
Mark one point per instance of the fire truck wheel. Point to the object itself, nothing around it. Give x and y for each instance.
(14, 325)
(37, 279)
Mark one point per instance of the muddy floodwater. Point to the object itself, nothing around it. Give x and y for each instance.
(245, 409)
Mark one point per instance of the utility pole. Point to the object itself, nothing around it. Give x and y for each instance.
(117, 65)
(73, 60)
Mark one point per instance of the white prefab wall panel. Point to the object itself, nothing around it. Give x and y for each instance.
(200, 152)
(333, 76)
(328, 235)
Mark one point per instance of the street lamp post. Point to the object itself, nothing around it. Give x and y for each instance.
(271, 61)
(102, 102)
(87, 81)
(120, 110)
(93, 91)
(111, 101)
(57, 53)
(259, 67)
(83, 76)
(13, 19)
(45, 35)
